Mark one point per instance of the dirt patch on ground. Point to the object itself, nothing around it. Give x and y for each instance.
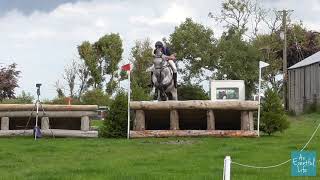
(178, 141)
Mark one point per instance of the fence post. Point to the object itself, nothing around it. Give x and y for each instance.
(227, 168)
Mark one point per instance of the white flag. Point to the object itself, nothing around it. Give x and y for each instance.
(263, 64)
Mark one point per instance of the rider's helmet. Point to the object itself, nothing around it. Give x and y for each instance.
(158, 44)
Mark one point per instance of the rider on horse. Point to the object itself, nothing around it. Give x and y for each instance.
(169, 57)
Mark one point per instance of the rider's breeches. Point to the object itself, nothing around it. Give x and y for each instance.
(173, 66)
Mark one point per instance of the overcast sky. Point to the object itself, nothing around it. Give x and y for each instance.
(41, 36)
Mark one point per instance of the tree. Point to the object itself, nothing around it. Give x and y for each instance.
(88, 55)
(59, 89)
(70, 74)
(238, 59)
(141, 58)
(270, 46)
(191, 92)
(301, 44)
(272, 20)
(236, 14)
(76, 76)
(83, 75)
(102, 58)
(195, 47)
(273, 117)
(8, 81)
(115, 124)
(109, 50)
(95, 97)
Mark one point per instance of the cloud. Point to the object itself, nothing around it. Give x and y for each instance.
(29, 6)
(43, 43)
(175, 14)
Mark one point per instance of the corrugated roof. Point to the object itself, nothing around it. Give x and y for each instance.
(307, 61)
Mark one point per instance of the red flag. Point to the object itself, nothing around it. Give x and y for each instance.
(126, 67)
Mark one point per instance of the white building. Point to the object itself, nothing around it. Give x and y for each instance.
(224, 90)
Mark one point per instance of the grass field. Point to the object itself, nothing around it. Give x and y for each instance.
(166, 158)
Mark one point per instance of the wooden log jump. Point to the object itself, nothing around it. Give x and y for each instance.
(64, 120)
(195, 104)
(47, 107)
(236, 115)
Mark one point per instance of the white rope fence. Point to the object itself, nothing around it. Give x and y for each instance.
(261, 167)
(228, 161)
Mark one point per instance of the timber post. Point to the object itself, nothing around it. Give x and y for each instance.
(210, 120)
(85, 123)
(139, 121)
(45, 123)
(251, 124)
(5, 123)
(247, 120)
(174, 119)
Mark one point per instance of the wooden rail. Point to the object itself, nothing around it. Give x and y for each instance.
(195, 104)
(47, 107)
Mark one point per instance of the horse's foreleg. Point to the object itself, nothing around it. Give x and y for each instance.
(156, 94)
(163, 95)
(174, 94)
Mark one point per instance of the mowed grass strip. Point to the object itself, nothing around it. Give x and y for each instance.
(165, 158)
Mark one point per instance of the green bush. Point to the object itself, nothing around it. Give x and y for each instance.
(91, 97)
(62, 101)
(273, 117)
(139, 93)
(115, 124)
(95, 97)
(191, 92)
(23, 98)
(57, 100)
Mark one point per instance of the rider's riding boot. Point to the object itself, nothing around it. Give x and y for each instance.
(151, 82)
(175, 79)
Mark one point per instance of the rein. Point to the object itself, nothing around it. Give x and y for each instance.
(162, 67)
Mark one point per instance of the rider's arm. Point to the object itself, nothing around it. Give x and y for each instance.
(171, 57)
(168, 54)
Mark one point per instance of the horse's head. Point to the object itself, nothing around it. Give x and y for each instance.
(159, 60)
(158, 52)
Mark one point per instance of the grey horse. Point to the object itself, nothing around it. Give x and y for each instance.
(163, 78)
